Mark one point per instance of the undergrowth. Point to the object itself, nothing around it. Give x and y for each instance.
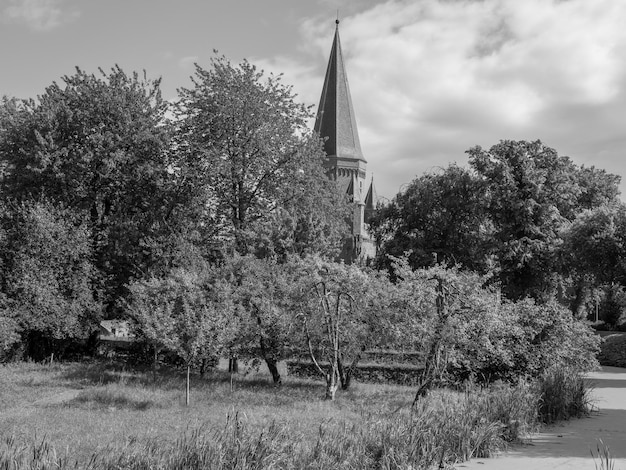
(563, 395)
(443, 428)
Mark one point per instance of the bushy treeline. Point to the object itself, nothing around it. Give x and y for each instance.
(542, 226)
(332, 313)
(104, 183)
(211, 225)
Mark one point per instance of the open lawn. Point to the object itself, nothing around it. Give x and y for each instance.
(86, 407)
(103, 415)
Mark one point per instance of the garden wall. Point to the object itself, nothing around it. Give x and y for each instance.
(400, 374)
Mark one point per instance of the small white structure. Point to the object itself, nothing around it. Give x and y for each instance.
(114, 329)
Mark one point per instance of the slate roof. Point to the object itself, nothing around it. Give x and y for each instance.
(335, 114)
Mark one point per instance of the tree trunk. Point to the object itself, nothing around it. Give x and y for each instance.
(155, 363)
(273, 368)
(270, 361)
(431, 364)
(345, 374)
(203, 367)
(187, 388)
(331, 385)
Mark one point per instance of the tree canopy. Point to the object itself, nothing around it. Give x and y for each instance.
(504, 215)
(98, 144)
(257, 167)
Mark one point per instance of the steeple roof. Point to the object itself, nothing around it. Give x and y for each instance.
(335, 115)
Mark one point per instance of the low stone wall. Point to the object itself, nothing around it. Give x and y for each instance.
(400, 374)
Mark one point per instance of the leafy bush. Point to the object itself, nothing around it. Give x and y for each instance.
(9, 335)
(613, 350)
(468, 331)
(517, 339)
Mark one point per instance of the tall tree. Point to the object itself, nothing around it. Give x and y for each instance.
(97, 143)
(244, 139)
(345, 310)
(47, 278)
(188, 312)
(594, 256)
(439, 217)
(532, 193)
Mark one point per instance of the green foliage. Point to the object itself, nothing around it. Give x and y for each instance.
(594, 242)
(47, 278)
(532, 192)
(505, 216)
(488, 338)
(345, 310)
(613, 350)
(263, 289)
(256, 168)
(9, 334)
(593, 254)
(96, 144)
(439, 217)
(190, 313)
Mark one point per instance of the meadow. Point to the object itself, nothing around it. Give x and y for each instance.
(103, 415)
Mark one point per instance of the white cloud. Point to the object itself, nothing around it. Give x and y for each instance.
(430, 79)
(39, 15)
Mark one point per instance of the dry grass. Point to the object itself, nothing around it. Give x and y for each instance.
(124, 419)
(114, 406)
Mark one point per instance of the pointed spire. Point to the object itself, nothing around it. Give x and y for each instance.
(370, 202)
(335, 115)
(370, 198)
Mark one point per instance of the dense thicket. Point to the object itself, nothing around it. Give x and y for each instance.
(520, 212)
(215, 233)
(101, 191)
(256, 168)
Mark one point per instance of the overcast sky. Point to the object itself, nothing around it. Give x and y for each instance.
(429, 78)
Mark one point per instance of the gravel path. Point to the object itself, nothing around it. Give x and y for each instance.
(569, 444)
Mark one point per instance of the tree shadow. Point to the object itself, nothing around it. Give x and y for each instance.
(577, 438)
(606, 383)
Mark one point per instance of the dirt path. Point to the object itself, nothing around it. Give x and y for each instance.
(569, 445)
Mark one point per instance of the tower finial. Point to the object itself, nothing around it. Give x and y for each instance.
(337, 20)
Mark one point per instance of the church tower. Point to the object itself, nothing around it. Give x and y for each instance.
(336, 123)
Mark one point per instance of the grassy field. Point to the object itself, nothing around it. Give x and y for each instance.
(113, 406)
(101, 412)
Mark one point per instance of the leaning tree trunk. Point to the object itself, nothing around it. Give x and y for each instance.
(272, 366)
(271, 362)
(431, 365)
(345, 374)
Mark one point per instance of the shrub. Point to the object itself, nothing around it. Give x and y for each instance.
(468, 331)
(563, 395)
(9, 335)
(111, 396)
(613, 350)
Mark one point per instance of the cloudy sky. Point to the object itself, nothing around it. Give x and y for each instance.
(429, 78)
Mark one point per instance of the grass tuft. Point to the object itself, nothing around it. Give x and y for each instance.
(114, 396)
(605, 461)
(564, 395)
